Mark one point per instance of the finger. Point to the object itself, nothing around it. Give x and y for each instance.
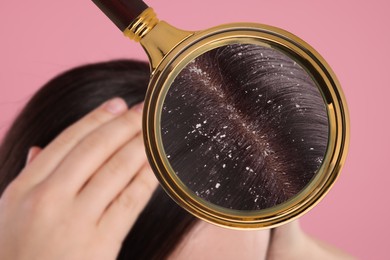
(112, 178)
(49, 158)
(121, 215)
(93, 151)
(32, 153)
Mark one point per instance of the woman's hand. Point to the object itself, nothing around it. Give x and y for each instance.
(79, 197)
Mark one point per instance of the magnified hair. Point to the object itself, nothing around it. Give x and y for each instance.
(244, 127)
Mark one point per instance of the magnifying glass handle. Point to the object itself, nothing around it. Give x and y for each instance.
(139, 22)
(121, 12)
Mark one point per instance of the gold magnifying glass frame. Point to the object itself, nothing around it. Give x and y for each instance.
(170, 50)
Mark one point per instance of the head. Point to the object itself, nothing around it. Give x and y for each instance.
(163, 225)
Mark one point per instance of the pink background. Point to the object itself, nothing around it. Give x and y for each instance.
(42, 38)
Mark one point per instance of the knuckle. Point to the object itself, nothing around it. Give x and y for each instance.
(146, 183)
(40, 201)
(96, 118)
(116, 165)
(93, 141)
(130, 119)
(66, 137)
(137, 193)
(127, 200)
(70, 133)
(125, 161)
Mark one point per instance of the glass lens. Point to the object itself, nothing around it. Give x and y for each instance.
(244, 127)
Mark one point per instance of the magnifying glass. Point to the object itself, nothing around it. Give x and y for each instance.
(245, 125)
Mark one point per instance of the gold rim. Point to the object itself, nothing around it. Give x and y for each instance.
(299, 51)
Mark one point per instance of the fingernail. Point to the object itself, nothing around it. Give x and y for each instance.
(139, 107)
(29, 155)
(115, 105)
(32, 153)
